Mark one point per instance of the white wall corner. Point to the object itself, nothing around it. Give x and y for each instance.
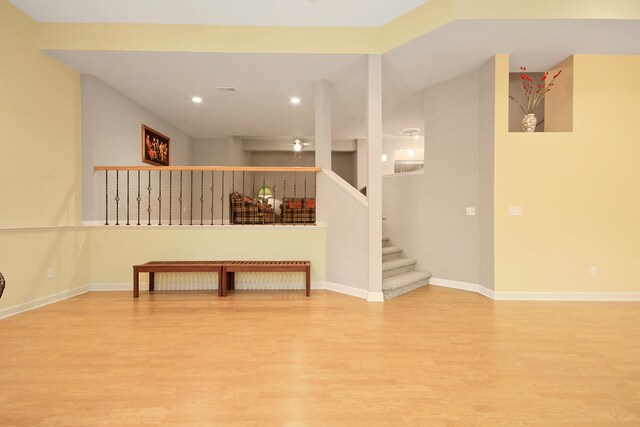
(375, 297)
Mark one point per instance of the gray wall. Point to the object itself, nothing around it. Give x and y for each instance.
(426, 212)
(342, 163)
(219, 152)
(112, 136)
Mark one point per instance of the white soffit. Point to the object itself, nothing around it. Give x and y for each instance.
(293, 13)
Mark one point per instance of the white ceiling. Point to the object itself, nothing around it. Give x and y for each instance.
(164, 82)
(297, 13)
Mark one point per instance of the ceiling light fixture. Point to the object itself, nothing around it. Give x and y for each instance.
(384, 157)
(196, 99)
(295, 100)
(413, 133)
(297, 148)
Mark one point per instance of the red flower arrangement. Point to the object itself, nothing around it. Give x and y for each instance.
(534, 94)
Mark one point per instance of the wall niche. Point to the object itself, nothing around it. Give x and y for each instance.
(555, 112)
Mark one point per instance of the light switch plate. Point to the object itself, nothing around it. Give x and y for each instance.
(471, 211)
(515, 210)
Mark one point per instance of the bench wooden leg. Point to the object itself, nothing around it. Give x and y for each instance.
(224, 279)
(232, 281)
(136, 289)
(152, 281)
(308, 283)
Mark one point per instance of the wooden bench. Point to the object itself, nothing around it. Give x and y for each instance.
(229, 268)
(174, 267)
(226, 271)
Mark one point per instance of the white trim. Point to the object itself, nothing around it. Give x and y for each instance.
(348, 188)
(399, 174)
(347, 290)
(216, 225)
(107, 287)
(454, 284)
(375, 297)
(43, 228)
(536, 296)
(40, 302)
(567, 296)
(330, 286)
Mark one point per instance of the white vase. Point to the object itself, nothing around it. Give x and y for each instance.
(529, 122)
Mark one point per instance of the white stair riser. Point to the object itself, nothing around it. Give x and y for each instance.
(393, 293)
(391, 257)
(399, 270)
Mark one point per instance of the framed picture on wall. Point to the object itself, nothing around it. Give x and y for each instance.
(155, 147)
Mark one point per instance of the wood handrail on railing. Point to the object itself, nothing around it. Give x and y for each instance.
(199, 195)
(209, 168)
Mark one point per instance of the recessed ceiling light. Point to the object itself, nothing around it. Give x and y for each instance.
(295, 100)
(196, 99)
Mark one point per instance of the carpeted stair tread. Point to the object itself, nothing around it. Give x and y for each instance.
(391, 250)
(398, 263)
(385, 239)
(405, 279)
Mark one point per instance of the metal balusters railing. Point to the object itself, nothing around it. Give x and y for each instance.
(159, 197)
(201, 197)
(285, 184)
(128, 198)
(149, 204)
(117, 199)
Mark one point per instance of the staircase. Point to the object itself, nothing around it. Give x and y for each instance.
(398, 273)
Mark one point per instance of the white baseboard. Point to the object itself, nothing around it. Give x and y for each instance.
(20, 308)
(536, 296)
(335, 287)
(343, 289)
(454, 284)
(567, 296)
(105, 287)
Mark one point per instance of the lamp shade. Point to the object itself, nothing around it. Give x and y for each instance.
(265, 192)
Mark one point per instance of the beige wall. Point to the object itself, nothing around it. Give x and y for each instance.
(40, 172)
(580, 191)
(27, 254)
(115, 250)
(40, 122)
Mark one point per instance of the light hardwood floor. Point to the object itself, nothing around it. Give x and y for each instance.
(434, 357)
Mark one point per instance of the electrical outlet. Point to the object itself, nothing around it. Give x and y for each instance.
(50, 273)
(471, 211)
(593, 270)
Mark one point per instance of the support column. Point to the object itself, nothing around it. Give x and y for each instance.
(374, 178)
(323, 124)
